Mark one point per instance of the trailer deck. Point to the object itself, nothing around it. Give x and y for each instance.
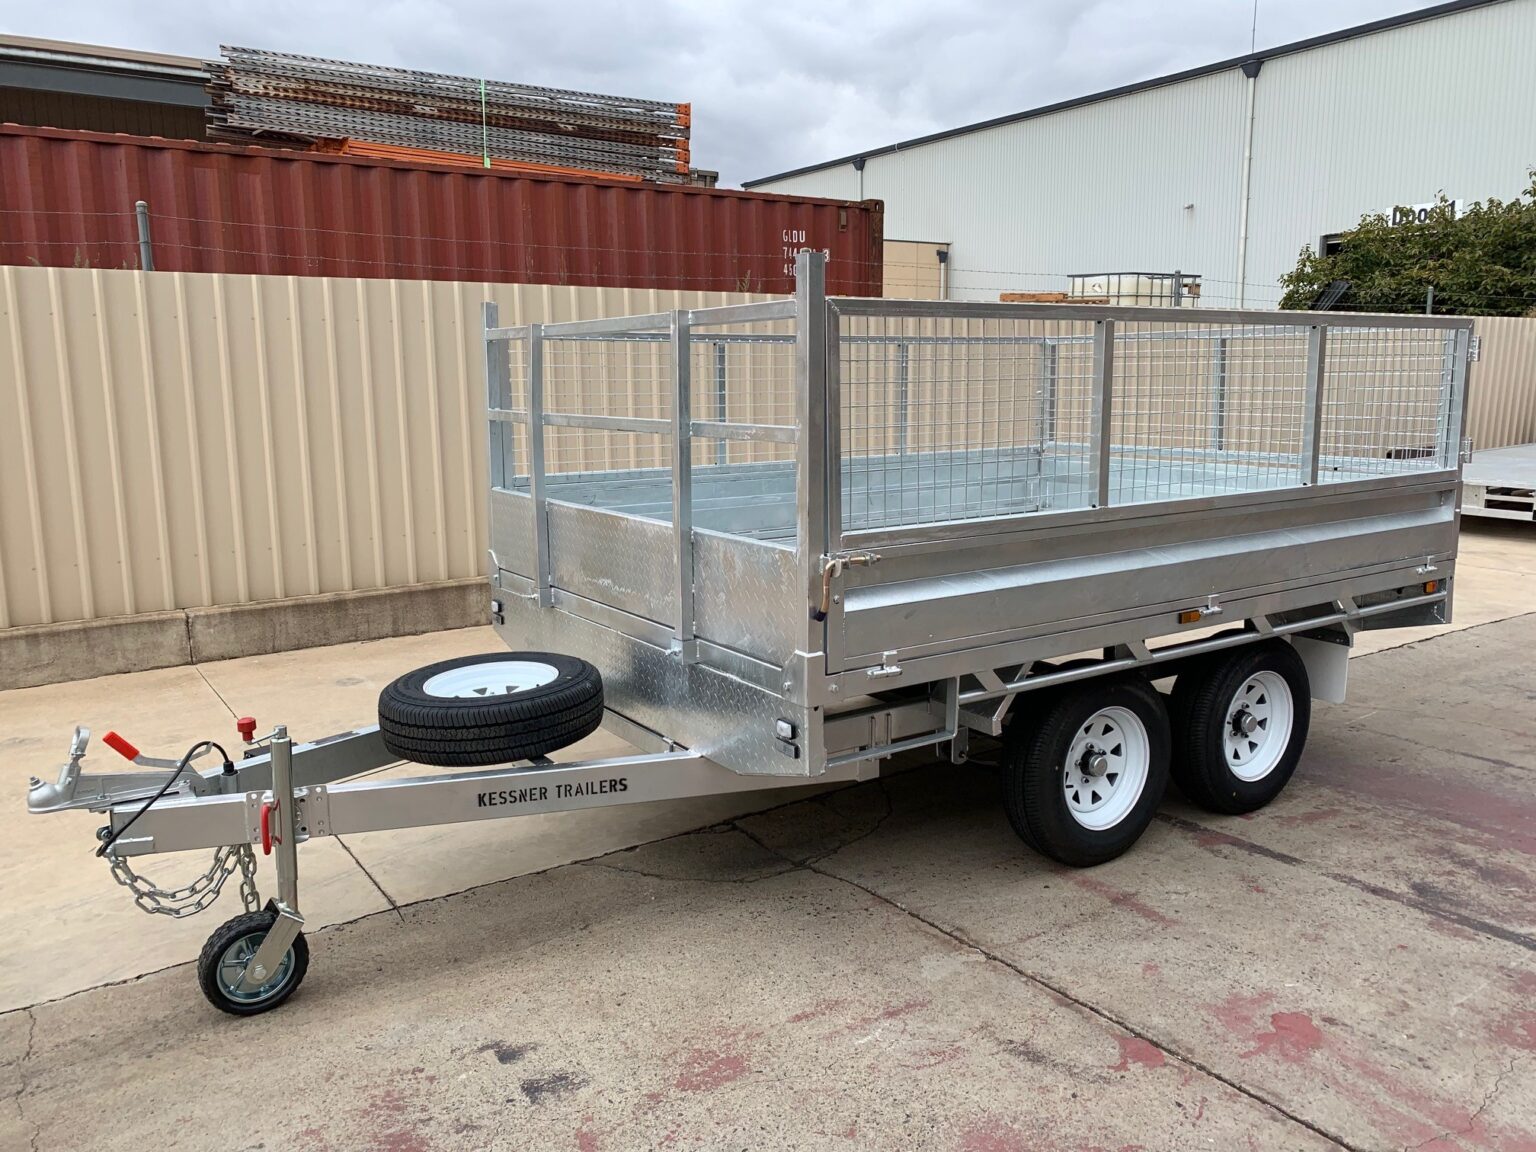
(1500, 483)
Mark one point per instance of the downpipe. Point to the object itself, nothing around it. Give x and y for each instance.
(1251, 71)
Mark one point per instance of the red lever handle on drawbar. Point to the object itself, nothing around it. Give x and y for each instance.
(124, 749)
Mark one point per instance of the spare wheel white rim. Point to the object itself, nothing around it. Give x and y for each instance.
(492, 678)
(1260, 718)
(1107, 768)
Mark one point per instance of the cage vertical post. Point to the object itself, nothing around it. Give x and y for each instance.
(817, 484)
(497, 369)
(1452, 380)
(1312, 421)
(1100, 449)
(536, 478)
(683, 640)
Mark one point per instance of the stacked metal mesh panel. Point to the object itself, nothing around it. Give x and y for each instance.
(258, 96)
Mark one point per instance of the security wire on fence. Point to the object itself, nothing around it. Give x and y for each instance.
(746, 270)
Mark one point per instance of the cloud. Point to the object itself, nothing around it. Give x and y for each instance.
(773, 86)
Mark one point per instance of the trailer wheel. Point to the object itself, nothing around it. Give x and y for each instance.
(1084, 782)
(479, 710)
(222, 963)
(1240, 723)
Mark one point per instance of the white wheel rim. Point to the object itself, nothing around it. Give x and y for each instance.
(492, 678)
(1258, 726)
(1107, 768)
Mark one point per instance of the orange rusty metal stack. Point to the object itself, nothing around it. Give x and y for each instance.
(261, 97)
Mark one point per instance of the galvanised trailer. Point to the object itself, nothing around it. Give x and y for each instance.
(1500, 483)
(782, 542)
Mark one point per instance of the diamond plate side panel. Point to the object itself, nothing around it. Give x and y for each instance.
(746, 595)
(512, 531)
(728, 720)
(621, 561)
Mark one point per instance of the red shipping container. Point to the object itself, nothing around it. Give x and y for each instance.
(67, 200)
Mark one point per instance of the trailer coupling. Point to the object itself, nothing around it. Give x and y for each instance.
(77, 789)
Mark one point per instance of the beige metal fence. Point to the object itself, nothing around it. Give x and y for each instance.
(1502, 397)
(173, 440)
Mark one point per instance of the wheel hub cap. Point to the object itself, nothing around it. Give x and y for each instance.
(238, 957)
(1106, 768)
(1260, 717)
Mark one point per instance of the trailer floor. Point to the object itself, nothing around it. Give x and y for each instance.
(883, 966)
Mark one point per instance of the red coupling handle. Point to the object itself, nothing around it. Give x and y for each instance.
(124, 749)
(246, 726)
(266, 827)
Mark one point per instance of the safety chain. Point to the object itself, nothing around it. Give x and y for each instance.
(201, 892)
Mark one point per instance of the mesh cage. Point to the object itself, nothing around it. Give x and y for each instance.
(745, 400)
(627, 377)
(608, 432)
(968, 416)
(948, 418)
(1386, 402)
(1205, 409)
(744, 374)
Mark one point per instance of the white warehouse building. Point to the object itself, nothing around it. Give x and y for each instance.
(1224, 171)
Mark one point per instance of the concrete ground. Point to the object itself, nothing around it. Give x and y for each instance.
(883, 966)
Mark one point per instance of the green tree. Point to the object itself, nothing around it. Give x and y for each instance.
(1480, 263)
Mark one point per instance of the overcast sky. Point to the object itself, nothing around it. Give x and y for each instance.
(774, 83)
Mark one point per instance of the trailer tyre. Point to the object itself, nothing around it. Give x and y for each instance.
(1084, 782)
(479, 710)
(224, 958)
(1240, 722)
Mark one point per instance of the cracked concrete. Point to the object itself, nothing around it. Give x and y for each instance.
(1472, 1121)
(14, 1068)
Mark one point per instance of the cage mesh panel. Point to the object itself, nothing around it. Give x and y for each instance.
(623, 376)
(1205, 409)
(607, 377)
(743, 374)
(947, 418)
(1384, 409)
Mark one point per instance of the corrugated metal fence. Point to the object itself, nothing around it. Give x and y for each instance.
(1503, 400)
(176, 440)
(173, 440)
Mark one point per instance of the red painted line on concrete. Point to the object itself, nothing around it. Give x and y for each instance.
(1123, 899)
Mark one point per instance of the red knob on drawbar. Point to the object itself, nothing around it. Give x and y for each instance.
(246, 726)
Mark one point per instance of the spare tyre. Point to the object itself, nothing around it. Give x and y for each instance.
(479, 710)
